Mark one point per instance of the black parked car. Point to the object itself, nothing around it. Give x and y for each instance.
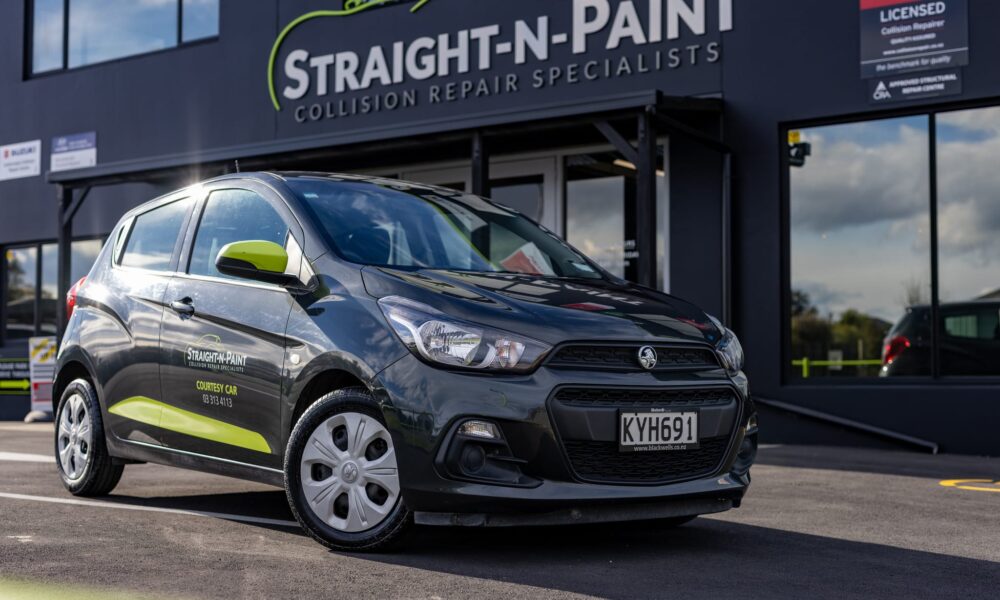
(390, 353)
(970, 340)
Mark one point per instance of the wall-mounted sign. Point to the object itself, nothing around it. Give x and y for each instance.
(416, 60)
(78, 151)
(21, 160)
(915, 86)
(907, 36)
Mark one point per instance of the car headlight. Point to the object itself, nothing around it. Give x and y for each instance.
(438, 338)
(729, 348)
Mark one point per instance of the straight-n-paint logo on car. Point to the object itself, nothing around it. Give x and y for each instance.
(209, 353)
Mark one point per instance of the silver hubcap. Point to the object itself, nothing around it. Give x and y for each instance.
(74, 437)
(348, 472)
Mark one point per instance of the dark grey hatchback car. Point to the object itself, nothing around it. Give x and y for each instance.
(391, 353)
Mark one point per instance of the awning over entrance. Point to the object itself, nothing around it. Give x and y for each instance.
(631, 123)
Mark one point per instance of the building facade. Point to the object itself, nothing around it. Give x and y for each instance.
(821, 175)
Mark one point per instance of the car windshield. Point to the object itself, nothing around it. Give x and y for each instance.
(394, 224)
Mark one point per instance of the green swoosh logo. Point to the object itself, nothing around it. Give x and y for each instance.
(357, 8)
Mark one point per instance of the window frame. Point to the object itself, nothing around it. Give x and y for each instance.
(29, 37)
(134, 217)
(936, 377)
(295, 231)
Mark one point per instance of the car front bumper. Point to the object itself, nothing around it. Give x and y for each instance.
(423, 407)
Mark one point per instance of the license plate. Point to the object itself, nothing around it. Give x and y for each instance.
(657, 431)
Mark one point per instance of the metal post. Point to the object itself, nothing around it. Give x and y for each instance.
(936, 333)
(65, 254)
(646, 199)
(727, 239)
(480, 165)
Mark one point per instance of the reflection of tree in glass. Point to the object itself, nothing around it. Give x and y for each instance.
(17, 288)
(856, 335)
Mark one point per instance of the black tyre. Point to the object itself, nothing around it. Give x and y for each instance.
(82, 456)
(341, 476)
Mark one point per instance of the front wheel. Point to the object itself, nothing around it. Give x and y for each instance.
(341, 476)
(82, 456)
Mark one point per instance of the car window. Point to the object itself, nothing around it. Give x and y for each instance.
(417, 227)
(154, 236)
(974, 324)
(233, 216)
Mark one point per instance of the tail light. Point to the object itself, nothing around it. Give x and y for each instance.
(893, 348)
(71, 297)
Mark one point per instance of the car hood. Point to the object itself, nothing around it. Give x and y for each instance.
(547, 309)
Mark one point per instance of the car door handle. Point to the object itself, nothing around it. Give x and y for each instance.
(182, 307)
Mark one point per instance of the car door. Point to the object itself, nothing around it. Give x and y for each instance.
(129, 301)
(223, 338)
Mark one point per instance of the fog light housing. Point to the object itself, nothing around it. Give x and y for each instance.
(479, 429)
(476, 450)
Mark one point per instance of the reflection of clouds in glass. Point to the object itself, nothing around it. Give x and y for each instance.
(47, 35)
(859, 213)
(107, 29)
(861, 174)
(595, 220)
(969, 203)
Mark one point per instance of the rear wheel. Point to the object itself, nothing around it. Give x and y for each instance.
(82, 456)
(341, 476)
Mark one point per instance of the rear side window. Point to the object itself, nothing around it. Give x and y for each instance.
(154, 236)
(233, 216)
(974, 324)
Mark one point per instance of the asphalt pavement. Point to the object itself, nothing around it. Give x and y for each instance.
(818, 523)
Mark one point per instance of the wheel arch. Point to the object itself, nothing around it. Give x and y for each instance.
(72, 367)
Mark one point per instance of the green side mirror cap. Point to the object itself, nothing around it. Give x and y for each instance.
(257, 260)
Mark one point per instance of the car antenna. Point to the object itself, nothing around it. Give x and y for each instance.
(237, 166)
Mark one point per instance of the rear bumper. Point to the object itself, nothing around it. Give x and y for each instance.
(424, 405)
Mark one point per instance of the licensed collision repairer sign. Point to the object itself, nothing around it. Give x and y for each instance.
(907, 36)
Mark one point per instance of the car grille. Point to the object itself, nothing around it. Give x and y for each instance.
(602, 462)
(625, 358)
(614, 397)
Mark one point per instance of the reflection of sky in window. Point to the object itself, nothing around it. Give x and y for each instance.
(860, 218)
(969, 203)
(201, 19)
(102, 30)
(595, 220)
(47, 35)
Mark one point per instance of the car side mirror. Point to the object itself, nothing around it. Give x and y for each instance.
(256, 260)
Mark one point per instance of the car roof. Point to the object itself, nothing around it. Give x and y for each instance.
(270, 177)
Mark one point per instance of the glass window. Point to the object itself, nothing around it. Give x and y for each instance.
(417, 228)
(524, 194)
(860, 250)
(601, 218)
(201, 19)
(969, 240)
(154, 235)
(22, 281)
(84, 254)
(233, 216)
(47, 35)
(102, 30)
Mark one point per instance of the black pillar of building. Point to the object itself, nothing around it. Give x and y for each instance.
(480, 165)
(646, 198)
(64, 255)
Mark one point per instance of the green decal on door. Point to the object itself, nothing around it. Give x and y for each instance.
(156, 413)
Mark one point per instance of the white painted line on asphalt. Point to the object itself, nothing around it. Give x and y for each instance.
(21, 457)
(171, 511)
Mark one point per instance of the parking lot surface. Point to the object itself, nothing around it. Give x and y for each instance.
(817, 523)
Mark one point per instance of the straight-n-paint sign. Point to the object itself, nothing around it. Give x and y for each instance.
(906, 36)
